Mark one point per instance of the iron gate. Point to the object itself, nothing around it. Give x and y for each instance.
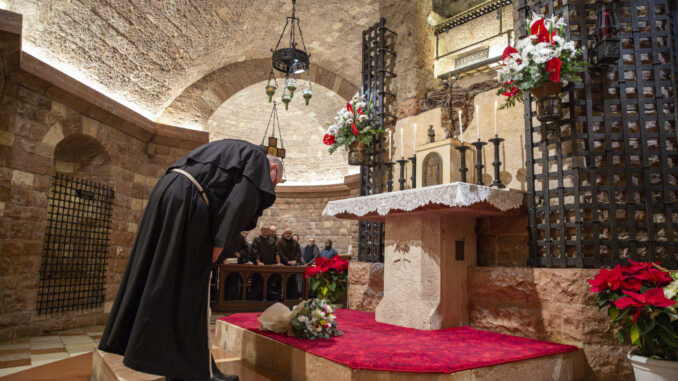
(603, 181)
(73, 269)
(377, 70)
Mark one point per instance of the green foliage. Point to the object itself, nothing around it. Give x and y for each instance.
(330, 285)
(655, 332)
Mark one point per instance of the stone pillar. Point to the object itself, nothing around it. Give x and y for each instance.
(415, 49)
(425, 280)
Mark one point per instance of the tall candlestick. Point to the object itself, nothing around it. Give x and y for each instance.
(495, 118)
(414, 139)
(389, 145)
(402, 145)
(478, 121)
(461, 129)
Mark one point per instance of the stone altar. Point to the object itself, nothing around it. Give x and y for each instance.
(430, 242)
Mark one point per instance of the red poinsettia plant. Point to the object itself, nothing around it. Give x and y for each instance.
(543, 56)
(328, 277)
(352, 124)
(641, 302)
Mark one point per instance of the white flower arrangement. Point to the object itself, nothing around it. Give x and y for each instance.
(315, 321)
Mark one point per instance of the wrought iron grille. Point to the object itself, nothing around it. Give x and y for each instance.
(378, 61)
(73, 269)
(603, 181)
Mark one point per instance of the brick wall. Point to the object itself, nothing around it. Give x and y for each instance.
(36, 117)
(300, 208)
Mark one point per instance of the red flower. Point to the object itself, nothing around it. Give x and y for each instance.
(512, 91)
(349, 107)
(354, 129)
(636, 267)
(606, 279)
(553, 66)
(653, 275)
(360, 111)
(539, 29)
(632, 284)
(508, 51)
(329, 139)
(338, 264)
(654, 297)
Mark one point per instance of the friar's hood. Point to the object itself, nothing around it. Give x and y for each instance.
(229, 154)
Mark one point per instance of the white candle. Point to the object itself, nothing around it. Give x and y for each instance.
(478, 121)
(414, 139)
(461, 129)
(402, 151)
(389, 145)
(495, 118)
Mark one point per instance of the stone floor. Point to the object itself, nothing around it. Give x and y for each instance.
(22, 354)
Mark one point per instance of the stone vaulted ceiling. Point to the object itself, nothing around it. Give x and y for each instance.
(146, 52)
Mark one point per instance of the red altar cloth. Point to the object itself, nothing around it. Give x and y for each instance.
(367, 344)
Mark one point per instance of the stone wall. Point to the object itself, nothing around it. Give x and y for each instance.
(548, 304)
(365, 285)
(300, 208)
(245, 115)
(36, 117)
(503, 241)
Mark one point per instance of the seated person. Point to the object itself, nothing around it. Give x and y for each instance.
(328, 252)
(289, 252)
(310, 252)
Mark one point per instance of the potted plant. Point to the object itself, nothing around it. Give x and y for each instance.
(542, 63)
(641, 303)
(328, 277)
(352, 129)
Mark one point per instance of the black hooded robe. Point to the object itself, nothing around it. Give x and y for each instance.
(159, 319)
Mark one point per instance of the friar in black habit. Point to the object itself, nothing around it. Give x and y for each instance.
(159, 319)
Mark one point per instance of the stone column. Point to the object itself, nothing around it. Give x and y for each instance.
(415, 49)
(425, 280)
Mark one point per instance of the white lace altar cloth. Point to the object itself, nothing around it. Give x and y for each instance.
(452, 195)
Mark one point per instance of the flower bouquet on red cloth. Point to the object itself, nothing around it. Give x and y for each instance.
(641, 301)
(315, 321)
(543, 58)
(328, 277)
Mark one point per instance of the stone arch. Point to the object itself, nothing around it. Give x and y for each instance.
(82, 155)
(194, 106)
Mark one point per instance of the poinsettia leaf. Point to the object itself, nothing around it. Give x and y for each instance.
(634, 334)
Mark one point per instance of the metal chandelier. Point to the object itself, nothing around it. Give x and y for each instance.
(291, 61)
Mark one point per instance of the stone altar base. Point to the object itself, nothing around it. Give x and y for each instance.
(429, 247)
(290, 363)
(424, 276)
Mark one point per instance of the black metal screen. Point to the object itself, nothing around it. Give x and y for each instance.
(603, 181)
(73, 269)
(377, 71)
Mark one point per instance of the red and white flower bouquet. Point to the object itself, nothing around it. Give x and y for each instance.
(543, 57)
(351, 124)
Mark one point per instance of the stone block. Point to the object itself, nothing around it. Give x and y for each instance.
(358, 273)
(21, 178)
(53, 136)
(6, 138)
